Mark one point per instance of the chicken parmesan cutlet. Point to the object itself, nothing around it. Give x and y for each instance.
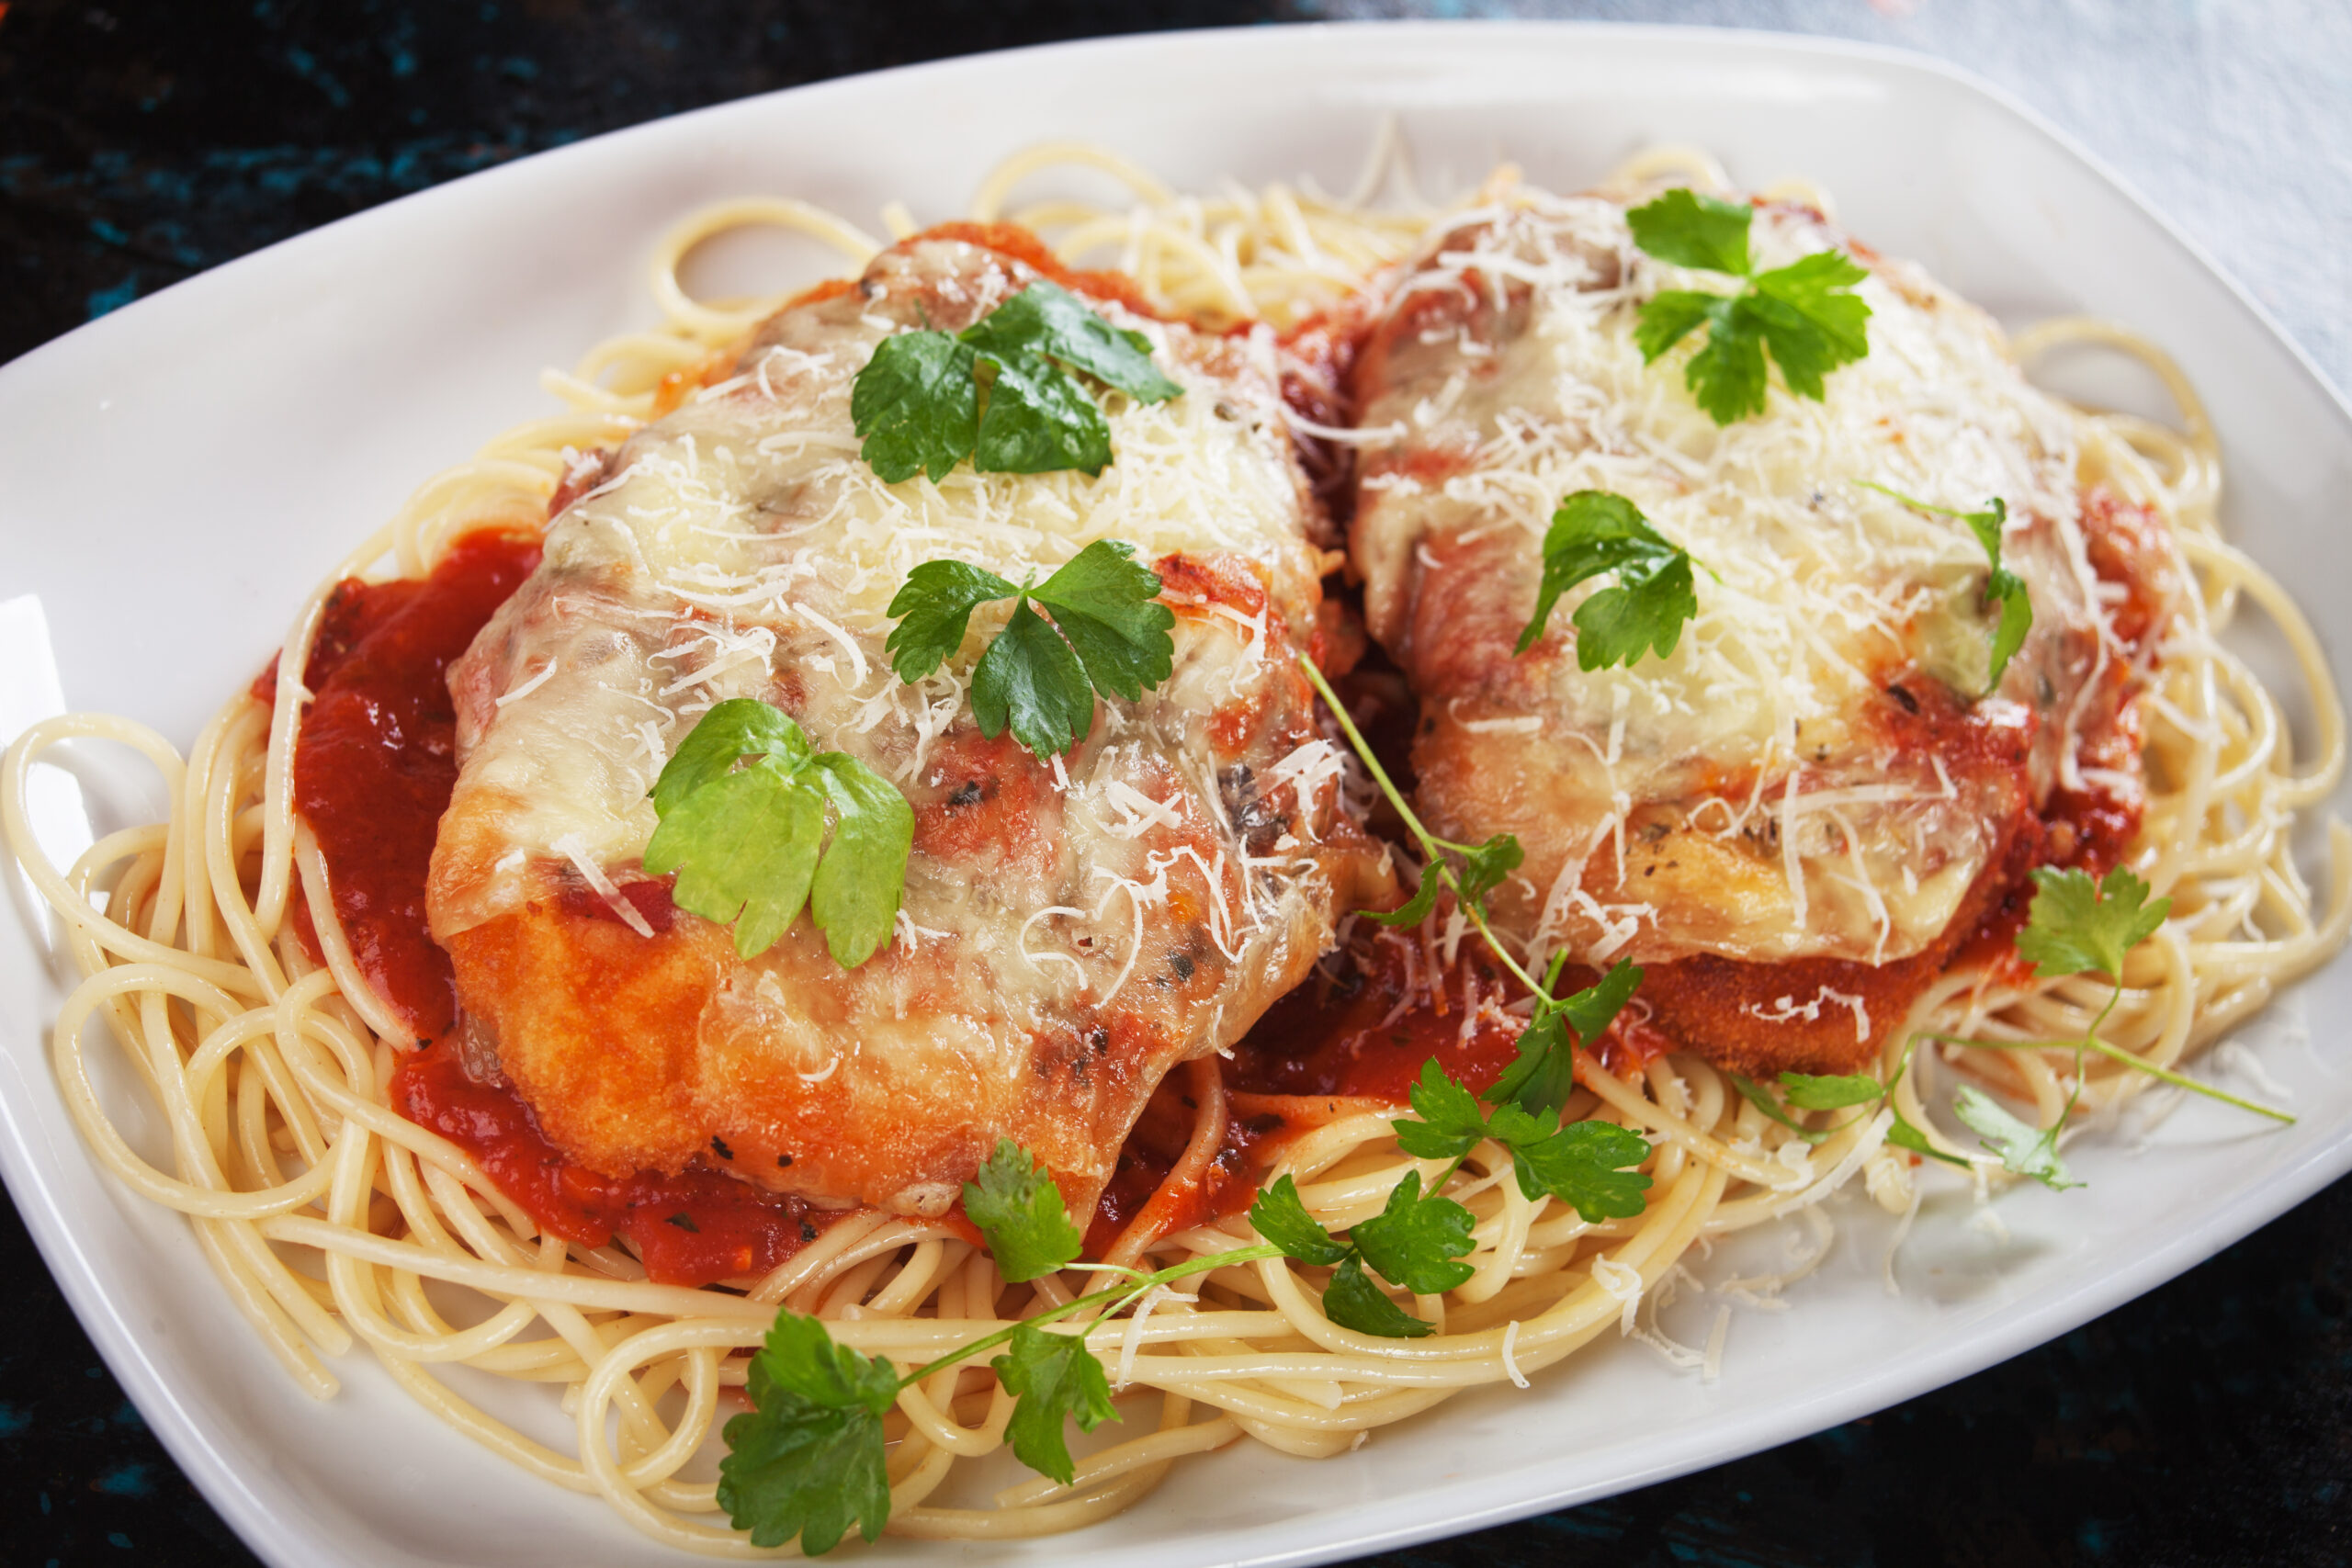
(1794, 819)
(1071, 926)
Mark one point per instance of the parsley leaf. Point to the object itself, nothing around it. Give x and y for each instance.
(1582, 1165)
(1686, 228)
(1352, 1301)
(1416, 910)
(2025, 1149)
(1282, 1218)
(1039, 421)
(745, 850)
(1593, 1009)
(1108, 634)
(1030, 679)
(933, 608)
(1106, 604)
(743, 804)
(1052, 1376)
(1727, 376)
(2017, 606)
(1904, 1135)
(800, 1356)
(1451, 1123)
(1811, 318)
(1415, 1242)
(1483, 868)
(1805, 313)
(1672, 314)
(1579, 1163)
(736, 728)
(1757, 1095)
(1412, 1243)
(1048, 320)
(1807, 1092)
(808, 1458)
(1539, 1081)
(2076, 925)
(917, 404)
(2001, 585)
(1594, 531)
(1020, 1210)
(853, 903)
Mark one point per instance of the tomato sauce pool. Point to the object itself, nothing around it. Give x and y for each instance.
(373, 770)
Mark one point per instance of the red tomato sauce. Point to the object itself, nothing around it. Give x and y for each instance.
(373, 770)
(689, 1229)
(377, 756)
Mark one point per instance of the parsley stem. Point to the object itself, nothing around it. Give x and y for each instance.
(1430, 841)
(1433, 846)
(2179, 1080)
(1128, 1290)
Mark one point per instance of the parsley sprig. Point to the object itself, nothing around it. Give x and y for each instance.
(1414, 1241)
(1002, 392)
(1018, 1208)
(1595, 531)
(743, 804)
(1583, 1163)
(2001, 586)
(2076, 926)
(1809, 1091)
(1109, 635)
(1531, 1092)
(808, 1458)
(1806, 313)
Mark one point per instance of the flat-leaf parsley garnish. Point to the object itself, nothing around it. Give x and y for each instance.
(2077, 925)
(1415, 1242)
(1053, 1377)
(1806, 313)
(744, 805)
(1109, 635)
(1019, 1211)
(1002, 392)
(1585, 1164)
(809, 1459)
(1595, 531)
(2001, 586)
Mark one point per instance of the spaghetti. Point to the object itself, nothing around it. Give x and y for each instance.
(327, 1215)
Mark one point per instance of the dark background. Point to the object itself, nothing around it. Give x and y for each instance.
(2208, 1423)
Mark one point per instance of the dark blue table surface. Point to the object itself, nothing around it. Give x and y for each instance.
(2208, 1423)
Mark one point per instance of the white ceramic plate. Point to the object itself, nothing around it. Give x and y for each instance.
(174, 476)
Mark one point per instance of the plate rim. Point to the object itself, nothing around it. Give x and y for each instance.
(241, 1490)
